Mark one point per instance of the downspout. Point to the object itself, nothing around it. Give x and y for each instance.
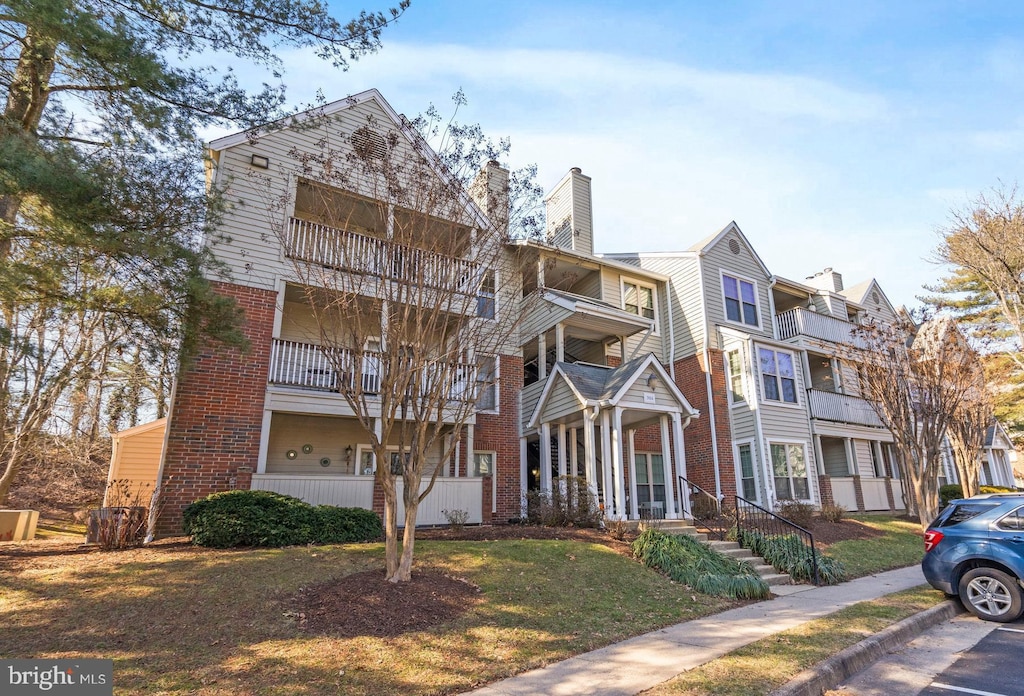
(707, 379)
(671, 333)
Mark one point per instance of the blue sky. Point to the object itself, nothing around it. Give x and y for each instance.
(834, 133)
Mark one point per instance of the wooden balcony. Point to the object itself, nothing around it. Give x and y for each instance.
(314, 367)
(339, 249)
(842, 408)
(804, 322)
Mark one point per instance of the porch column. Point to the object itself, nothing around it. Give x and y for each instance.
(606, 461)
(589, 450)
(545, 457)
(574, 458)
(851, 459)
(559, 342)
(816, 443)
(261, 458)
(562, 446)
(542, 356)
(470, 434)
(523, 473)
(680, 460)
(634, 508)
(666, 462)
(618, 464)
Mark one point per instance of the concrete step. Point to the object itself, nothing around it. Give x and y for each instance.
(774, 579)
(767, 572)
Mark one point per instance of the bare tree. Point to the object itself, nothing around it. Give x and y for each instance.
(966, 433)
(404, 258)
(917, 378)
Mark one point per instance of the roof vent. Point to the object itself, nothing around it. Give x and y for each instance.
(368, 143)
(734, 246)
(875, 297)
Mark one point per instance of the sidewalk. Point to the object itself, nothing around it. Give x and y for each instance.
(637, 664)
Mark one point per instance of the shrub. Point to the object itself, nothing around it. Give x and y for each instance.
(686, 560)
(789, 554)
(800, 514)
(456, 518)
(343, 525)
(949, 492)
(833, 513)
(570, 503)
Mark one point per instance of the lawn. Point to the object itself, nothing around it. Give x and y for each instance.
(897, 544)
(178, 619)
(767, 664)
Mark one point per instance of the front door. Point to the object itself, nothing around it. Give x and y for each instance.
(650, 485)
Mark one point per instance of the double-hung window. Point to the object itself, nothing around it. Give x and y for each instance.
(638, 299)
(789, 468)
(735, 361)
(740, 300)
(747, 480)
(487, 384)
(778, 375)
(485, 296)
(483, 464)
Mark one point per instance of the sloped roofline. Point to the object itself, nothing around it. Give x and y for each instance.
(702, 246)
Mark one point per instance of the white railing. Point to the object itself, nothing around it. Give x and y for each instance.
(358, 253)
(842, 408)
(447, 494)
(337, 369)
(803, 322)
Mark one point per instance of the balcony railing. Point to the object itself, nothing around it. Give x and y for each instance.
(357, 253)
(339, 369)
(842, 408)
(804, 322)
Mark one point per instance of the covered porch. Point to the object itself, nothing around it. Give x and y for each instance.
(621, 428)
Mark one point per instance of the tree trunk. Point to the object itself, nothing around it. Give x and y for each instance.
(403, 573)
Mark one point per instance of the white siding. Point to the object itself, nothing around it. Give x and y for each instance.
(719, 258)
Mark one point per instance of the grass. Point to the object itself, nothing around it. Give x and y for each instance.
(899, 546)
(182, 620)
(767, 664)
(53, 529)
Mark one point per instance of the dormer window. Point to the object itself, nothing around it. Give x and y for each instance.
(740, 300)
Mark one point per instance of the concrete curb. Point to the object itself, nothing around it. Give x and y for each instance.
(829, 673)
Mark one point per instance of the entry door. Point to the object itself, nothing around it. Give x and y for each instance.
(650, 485)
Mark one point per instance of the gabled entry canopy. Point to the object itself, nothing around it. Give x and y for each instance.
(642, 387)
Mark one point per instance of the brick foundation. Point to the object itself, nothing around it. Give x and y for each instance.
(214, 428)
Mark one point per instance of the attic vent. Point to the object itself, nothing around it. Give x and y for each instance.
(734, 246)
(368, 143)
(875, 297)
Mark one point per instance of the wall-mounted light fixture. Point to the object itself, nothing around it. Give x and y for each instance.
(260, 161)
(652, 380)
(348, 454)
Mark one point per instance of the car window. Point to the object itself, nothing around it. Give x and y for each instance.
(965, 511)
(1013, 522)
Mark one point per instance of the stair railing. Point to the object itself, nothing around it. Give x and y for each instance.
(751, 516)
(705, 510)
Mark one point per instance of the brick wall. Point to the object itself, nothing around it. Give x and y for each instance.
(214, 429)
(500, 433)
(691, 378)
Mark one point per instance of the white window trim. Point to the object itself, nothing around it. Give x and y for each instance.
(753, 464)
(760, 380)
(494, 462)
(497, 384)
(623, 280)
(742, 376)
(722, 273)
(476, 296)
(808, 465)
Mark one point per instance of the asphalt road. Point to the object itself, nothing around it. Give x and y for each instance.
(962, 656)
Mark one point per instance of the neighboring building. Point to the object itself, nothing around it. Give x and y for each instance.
(648, 374)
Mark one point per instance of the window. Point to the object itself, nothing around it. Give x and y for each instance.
(740, 300)
(650, 485)
(735, 362)
(483, 464)
(777, 375)
(485, 296)
(638, 299)
(487, 384)
(748, 483)
(790, 471)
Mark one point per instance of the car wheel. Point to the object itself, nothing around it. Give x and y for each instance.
(991, 594)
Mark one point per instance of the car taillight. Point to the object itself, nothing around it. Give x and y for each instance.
(931, 539)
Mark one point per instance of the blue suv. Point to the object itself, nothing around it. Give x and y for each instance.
(975, 548)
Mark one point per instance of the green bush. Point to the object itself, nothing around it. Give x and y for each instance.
(338, 525)
(789, 555)
(264, 518)
(949, 492)
(688, 561)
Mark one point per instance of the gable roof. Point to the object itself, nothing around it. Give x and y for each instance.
(703, 245)
(860, 292)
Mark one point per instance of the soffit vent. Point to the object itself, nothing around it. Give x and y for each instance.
(875, 297)
(734, 246)
(368, 143)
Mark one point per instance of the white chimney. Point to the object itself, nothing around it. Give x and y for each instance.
(826, 280)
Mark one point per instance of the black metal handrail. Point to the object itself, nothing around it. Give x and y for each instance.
(752, 516)
(705, 509)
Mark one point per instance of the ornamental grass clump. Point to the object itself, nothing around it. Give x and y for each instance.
(789, 554)
(688, 561)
